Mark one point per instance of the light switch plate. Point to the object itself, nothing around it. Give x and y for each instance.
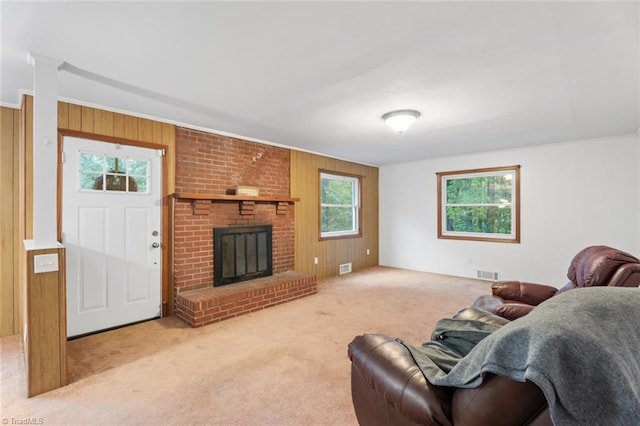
(45, 263)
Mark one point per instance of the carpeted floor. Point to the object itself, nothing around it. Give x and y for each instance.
(285, 365)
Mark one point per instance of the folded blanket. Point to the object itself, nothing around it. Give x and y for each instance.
(582, 348)
(451, 340)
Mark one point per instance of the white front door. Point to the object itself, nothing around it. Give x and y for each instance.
(111, 223)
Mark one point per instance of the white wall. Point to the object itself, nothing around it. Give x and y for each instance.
(573, 195)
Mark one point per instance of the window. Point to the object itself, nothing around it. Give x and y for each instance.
(481, 204)
(339, 205)
(99, 172)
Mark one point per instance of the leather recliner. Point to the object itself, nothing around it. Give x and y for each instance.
(592, 266)
(388, 388)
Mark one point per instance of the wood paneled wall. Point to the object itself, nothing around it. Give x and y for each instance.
(331, 253)
(10, 241)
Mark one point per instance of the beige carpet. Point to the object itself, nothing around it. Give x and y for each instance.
(285, 365)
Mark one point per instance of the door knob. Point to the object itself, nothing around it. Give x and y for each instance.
(155, 245)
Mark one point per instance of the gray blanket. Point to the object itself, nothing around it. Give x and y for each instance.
(451, 340)
(582, 348)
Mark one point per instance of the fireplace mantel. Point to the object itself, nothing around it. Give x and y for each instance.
(202, 202)
(219, 197)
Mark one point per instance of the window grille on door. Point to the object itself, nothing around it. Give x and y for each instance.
(99, 172)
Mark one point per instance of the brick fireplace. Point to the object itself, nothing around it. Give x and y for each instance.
(209, 164)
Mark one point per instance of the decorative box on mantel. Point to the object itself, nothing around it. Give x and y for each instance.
(251, 191)
(202, 202)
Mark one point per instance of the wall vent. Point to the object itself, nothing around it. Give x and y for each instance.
(487, 275)
(345, 268)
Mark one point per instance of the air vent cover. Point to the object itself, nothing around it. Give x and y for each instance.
(487, 275)
(345, 268)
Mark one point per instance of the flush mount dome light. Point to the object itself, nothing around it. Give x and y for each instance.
(401, 119)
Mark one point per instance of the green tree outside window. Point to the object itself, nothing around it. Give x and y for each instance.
(339, 205)
(479, 204)
(99, 172)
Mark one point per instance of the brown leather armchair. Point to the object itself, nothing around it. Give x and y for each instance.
(592, 266)
(388, 388)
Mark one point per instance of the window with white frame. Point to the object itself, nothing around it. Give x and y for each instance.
(480, 204)
(339, 205)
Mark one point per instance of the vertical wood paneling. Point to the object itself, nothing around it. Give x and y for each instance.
(169, 140)
(145, 130)
(305, 184)
(25, 204)
(17, 230)
(63, 115)
(131, 128)
(156, 132)
(75, 118)
(102, 122)
(9, 291)
(46, 340)
(125, 126)
(87, 119)
(6, 221)
(27, 169)
(24, 214)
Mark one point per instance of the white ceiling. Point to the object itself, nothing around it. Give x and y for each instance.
(318, 75)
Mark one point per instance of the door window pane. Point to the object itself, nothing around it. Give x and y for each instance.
(104, 173)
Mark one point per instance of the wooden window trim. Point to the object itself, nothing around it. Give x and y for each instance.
(516, 170)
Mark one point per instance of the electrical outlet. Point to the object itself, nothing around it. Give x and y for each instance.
(315, 260)
(368, 252)
(45, 263)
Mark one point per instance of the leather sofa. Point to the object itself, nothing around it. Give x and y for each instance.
(388, 388)
(593, 266)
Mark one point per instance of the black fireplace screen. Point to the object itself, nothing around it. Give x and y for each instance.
(241, 253)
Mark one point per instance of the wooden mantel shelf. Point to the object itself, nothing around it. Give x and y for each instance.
(218, 197)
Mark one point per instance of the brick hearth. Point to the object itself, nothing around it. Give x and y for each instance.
(214, 164)
(212, 304)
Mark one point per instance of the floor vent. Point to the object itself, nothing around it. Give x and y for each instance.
(486, 275)
(345, 268)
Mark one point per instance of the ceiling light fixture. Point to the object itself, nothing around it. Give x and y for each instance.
(401, 119)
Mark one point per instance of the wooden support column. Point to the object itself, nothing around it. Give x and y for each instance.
(44, 313)
(46, 319)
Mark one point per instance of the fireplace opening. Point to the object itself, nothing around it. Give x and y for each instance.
(241, 253)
